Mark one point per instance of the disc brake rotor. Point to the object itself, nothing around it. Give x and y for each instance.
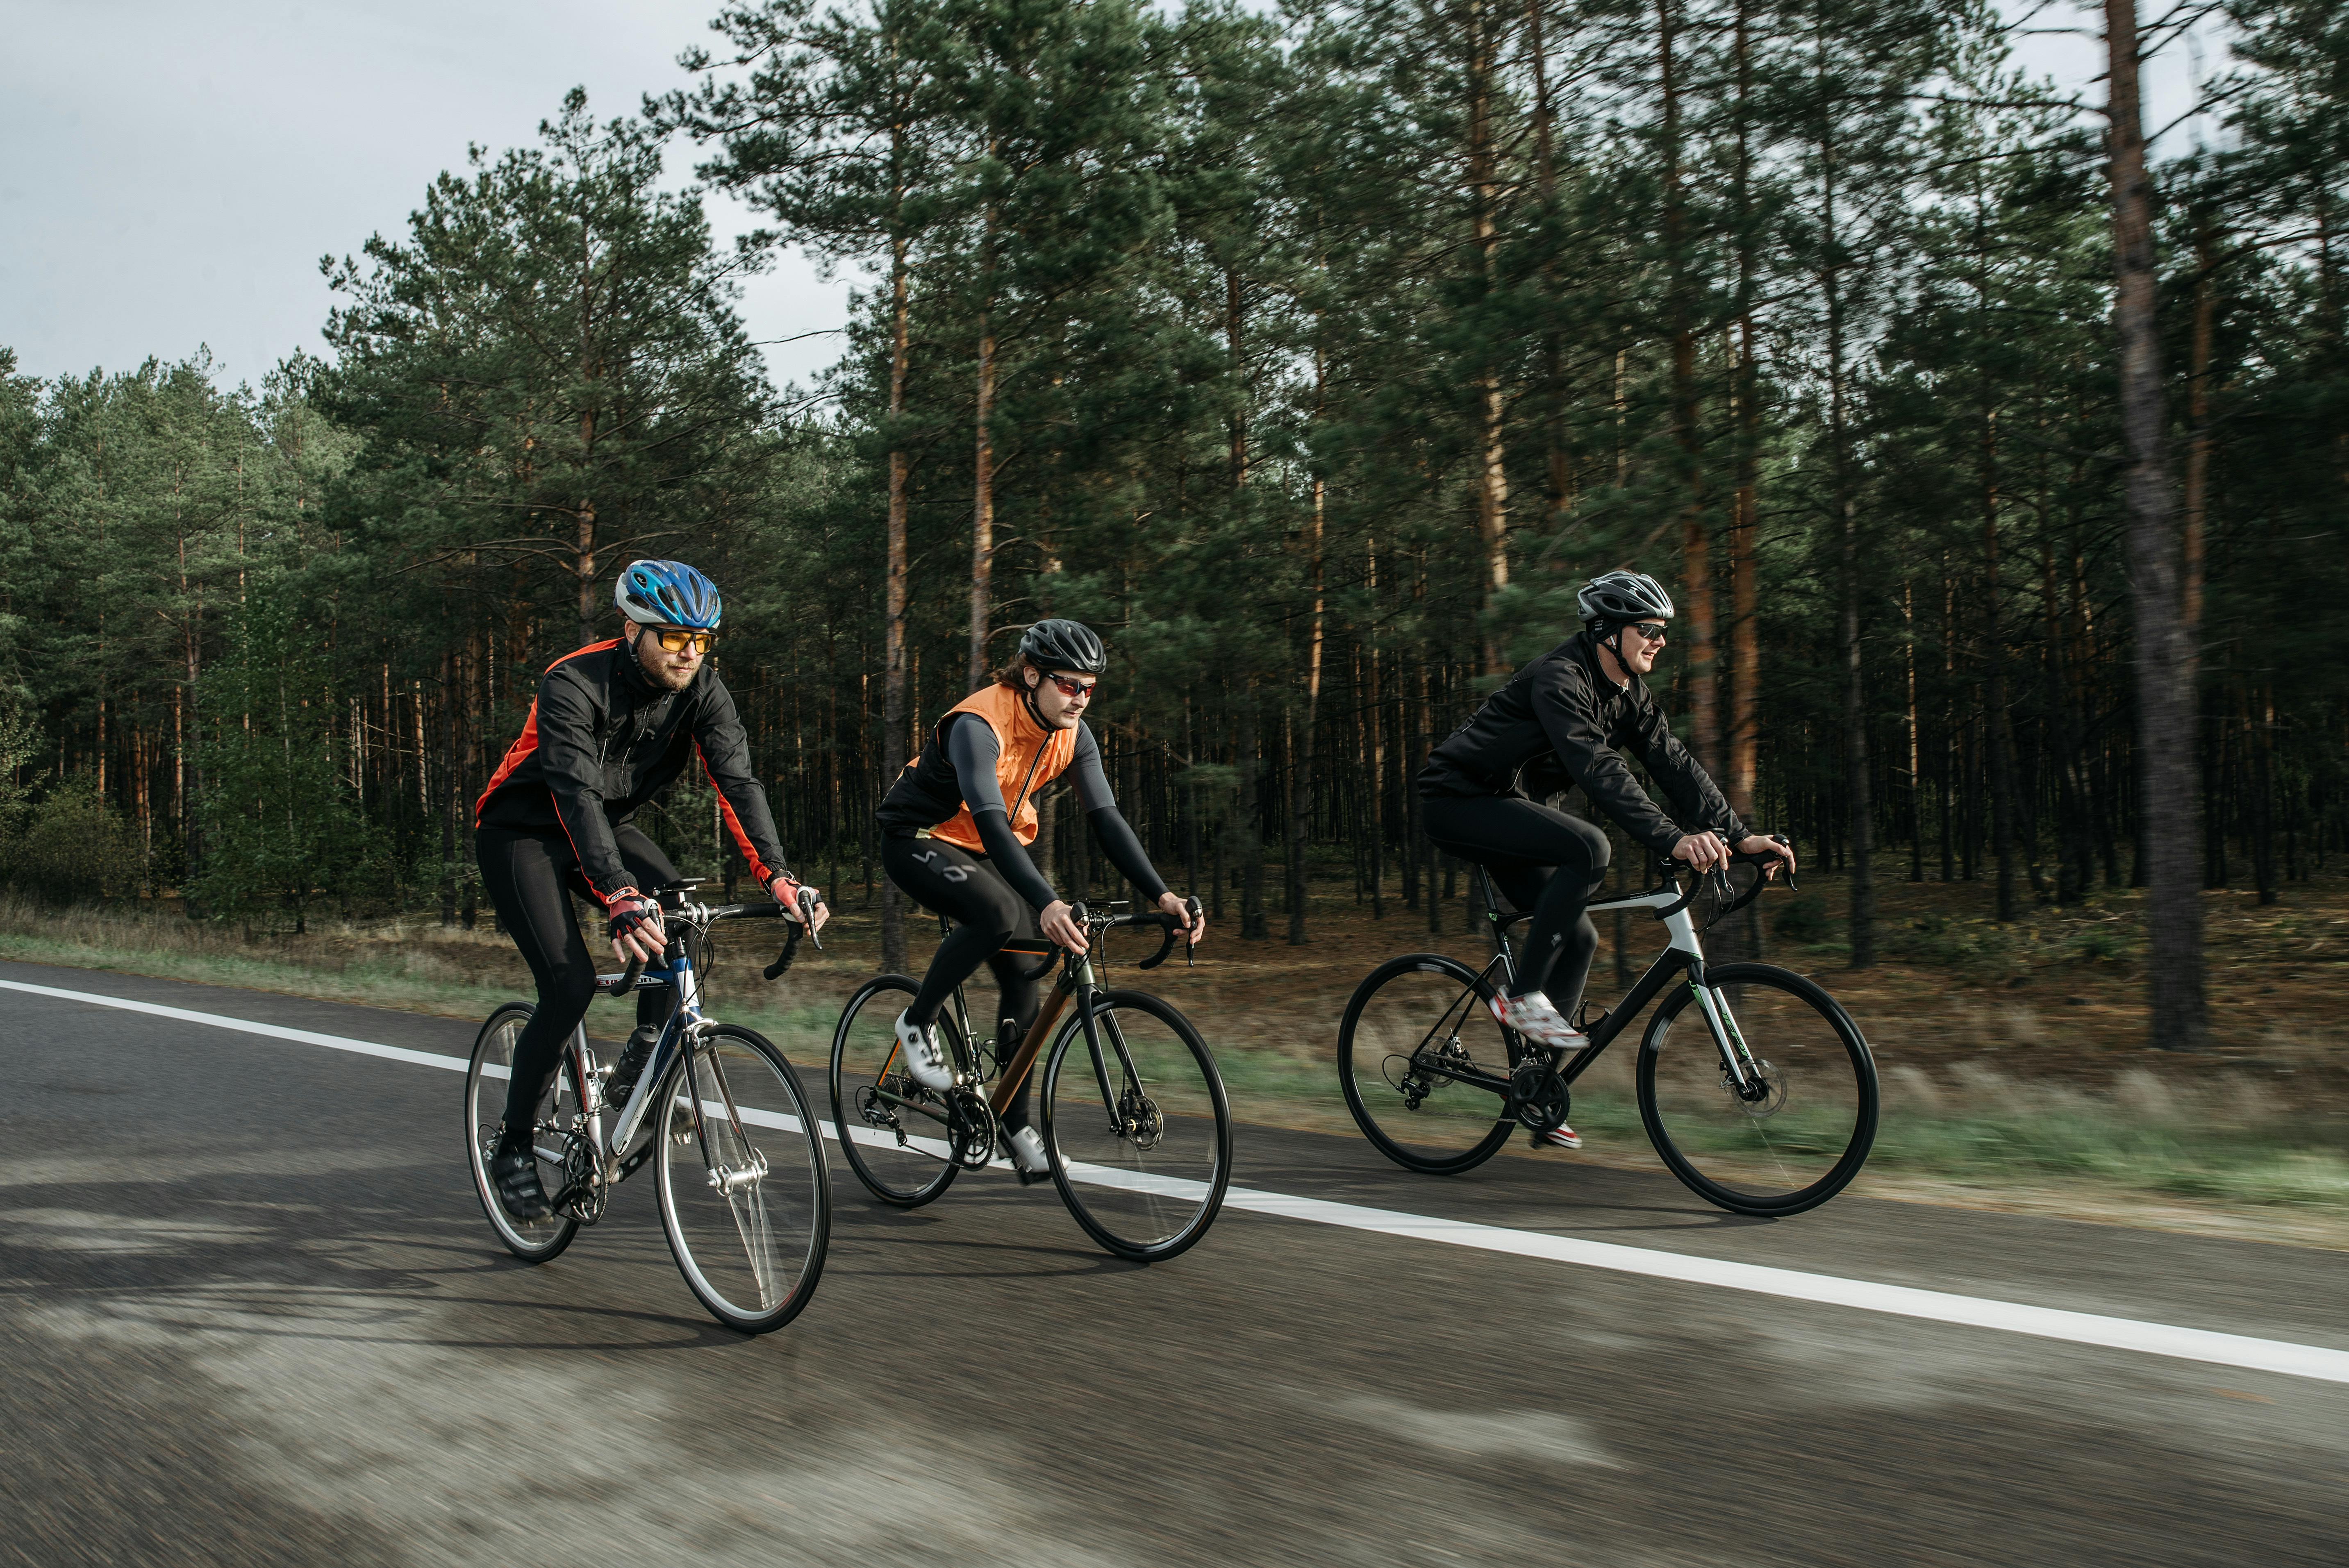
(1759, 1075)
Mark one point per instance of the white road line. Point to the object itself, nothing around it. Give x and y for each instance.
(2309, 1361)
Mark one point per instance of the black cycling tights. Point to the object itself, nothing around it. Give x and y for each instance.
(948, 879)
(1543, 861)
(527, 875)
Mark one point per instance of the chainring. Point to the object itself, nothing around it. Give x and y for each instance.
(1538, 1097)
(971, 1128)
(584, 1192)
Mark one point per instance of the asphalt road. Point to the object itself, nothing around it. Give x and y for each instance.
(250, 1313)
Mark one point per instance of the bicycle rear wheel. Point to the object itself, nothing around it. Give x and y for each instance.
(1803, 1130)
(744, 1195)
(1413, 1025)
(893, 1130)
(1141, 1142)
(487, 1073)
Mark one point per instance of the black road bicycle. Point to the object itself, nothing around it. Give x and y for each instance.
(737, 1150)
(1753, 1084)
(1131, 1107)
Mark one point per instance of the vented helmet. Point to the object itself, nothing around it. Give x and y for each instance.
(668, 593)
(1063, 645)
(1624, 596)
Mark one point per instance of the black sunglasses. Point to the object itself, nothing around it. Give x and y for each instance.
(1071, 686)
(1653, 631)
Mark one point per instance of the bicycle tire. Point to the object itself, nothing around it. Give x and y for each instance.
(1741, 1157)
(486, 1076)
(903, 1173)
(1361, 1022)
(1151, 1200)
(780, 1219)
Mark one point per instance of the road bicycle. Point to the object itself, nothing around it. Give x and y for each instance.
(1753, 1084)
(1131, 1107)
(737, 1150)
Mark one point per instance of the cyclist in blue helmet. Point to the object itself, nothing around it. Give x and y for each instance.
(613, 725)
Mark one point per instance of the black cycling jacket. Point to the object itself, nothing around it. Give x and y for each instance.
(1560, 721)
(602, 740)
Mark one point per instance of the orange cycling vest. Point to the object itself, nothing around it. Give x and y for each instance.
(1030, 757)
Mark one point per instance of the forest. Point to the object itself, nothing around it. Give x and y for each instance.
(1314, 356)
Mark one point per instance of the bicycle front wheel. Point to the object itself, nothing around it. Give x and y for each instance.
(744, 1196)
(487, 1074)
(893, 1130)
(1425, 1065)
(1139, 1128)
(1799, 1131)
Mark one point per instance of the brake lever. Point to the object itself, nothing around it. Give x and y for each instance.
(807, 902)
(802, 927)
(1197, 911)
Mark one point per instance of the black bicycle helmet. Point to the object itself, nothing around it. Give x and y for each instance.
(1064, 645)
(1620, 596)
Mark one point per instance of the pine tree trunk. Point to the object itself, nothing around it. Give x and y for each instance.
(1860, 825)
(894, 718)
(1491, 473)
(2164, 668)
(1300, 777)
(1247, 827)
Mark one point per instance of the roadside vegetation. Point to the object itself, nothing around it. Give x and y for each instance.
(2014, 1073)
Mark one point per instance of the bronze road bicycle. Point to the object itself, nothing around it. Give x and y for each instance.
(1131, 1106)
(1753, 1084)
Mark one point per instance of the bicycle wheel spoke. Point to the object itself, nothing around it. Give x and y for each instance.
(1143, 1133)
(1795, 1131)
(1420, 1057)
(892, 1130)
(741, 1184)
(486, 1079)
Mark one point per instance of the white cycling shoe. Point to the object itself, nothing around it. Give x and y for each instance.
(1534, 1016)
(1028, 1156)
(925, 1064)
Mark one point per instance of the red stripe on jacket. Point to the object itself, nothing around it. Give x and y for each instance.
(527, 742)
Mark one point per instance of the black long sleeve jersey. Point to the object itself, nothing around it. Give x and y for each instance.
(602, 740)
(1561, 721)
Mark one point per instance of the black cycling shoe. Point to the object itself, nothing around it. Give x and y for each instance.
(630, 1066)
(514, 1172)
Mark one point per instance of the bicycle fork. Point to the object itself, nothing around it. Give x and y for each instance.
(1737, 1060)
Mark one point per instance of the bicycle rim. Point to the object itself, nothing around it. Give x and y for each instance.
(487, 1074)
(1412, 1023)
(743, 1193)
(1141, 1157)
(1798, 1141)
(893, 1130)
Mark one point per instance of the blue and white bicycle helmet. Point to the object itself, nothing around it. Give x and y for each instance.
(668, 593)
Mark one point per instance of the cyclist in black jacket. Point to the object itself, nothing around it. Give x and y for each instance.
(1569, 718)
(613, 725)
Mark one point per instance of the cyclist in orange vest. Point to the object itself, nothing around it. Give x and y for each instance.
(954, 830)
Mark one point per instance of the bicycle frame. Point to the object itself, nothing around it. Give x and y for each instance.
(1685, 953)
(685, 1022)
(1077, 980)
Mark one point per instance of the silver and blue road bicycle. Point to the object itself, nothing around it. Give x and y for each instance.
(737, 1153)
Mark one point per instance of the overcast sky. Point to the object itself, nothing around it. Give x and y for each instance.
(170, 172)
